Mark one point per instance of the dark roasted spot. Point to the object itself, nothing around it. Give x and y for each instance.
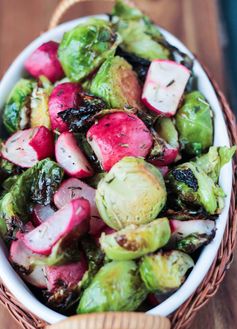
(186, 176)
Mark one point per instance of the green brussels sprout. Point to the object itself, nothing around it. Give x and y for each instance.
(166, 130)
(7, 169)
(133, 192)
(16, 113)
(194, 188)
(117, 84)
(212, 162)
(86, 47)
(194, 124)
(140, 36)
(133, 242)
(116, 287)
(192, 242)
(39, 104)
(165, 271)
(9, 182)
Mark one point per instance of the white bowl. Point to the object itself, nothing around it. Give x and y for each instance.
(11, 279)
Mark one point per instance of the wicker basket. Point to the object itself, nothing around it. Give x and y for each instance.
(183, 317)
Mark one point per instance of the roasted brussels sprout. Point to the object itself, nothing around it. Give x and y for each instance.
(97, 38)
(165, 271)
(39, 104)
(140, 36)
(117, 84)
(166, 129)
(116, 287)
(16, 113)
(212, 162)
(119, 193)
(194, 124)
(193, 187)
(133, 242)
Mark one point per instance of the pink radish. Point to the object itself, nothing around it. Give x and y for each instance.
(164, 86)
(44, 61)
(41, 214)
(26, 147)
(118, 135)
(71, 220)
(64, 96)
(70, 156)
(169, 156)
(65, 275)
(183, 229)
(164, 170)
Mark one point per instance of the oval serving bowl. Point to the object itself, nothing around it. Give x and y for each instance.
(11, 279)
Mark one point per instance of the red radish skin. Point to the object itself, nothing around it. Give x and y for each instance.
(71, 158)
(118, 135)
(26, 147)
(44, 61)
(185, 228)
(41, 214)
(164, 170)
(72, 219)
(170, 155)
(66, 275)
(164, 86)
(64, 96)
(97, 226)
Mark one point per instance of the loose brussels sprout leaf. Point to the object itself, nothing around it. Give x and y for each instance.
(165, 271)
(212, 162)
(119, 193)
(117, 84)
(133, 242)
(193, 187)
(39, 104)
(116, 287)
(140, 36)
(17, 110)
(97, 38)
(9, 221)
(9, 182)
(192, 242)
(94, 180)
(166, 130)
(7, 169)
(194, 124)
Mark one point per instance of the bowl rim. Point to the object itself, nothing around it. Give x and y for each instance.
(11, 279)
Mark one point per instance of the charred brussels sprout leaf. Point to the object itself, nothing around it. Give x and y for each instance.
(116, 287)
(85, 47)
(80, 119)
(194, 124)
(140, 36)
(117, 84)
(7, 169)
(193, 187)
(16, 114)
(133, 242)
(165, 271)
(119, 193)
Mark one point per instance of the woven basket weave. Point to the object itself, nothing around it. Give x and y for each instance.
(183, 317)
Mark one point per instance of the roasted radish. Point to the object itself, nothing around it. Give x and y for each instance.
(71, 158)
(41, 213)
(26, 147)
(118, 135)
(69, 221)
(164, 86)
(44, 61)
(64, 96)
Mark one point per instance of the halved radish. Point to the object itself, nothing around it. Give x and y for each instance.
(64, 96)
(164, 170)
(164, 86)
(169, 156)
(118, 135)
(71, 158)
(44, 61)
(183, 229)
(65, 275)
(71, 220)
(41, 213)
(26, 147)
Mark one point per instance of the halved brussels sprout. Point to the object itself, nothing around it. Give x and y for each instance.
(165, 271)
(166, 130)
(39, 104)
(116, 287)
(212, 162)
(194, 124)
(193, 187)
(16, 113)
(119, 193)
(140, 36)
(133, 242)
(117, 84)
(85, 47)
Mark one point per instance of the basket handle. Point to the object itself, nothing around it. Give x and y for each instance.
(113, 320)
(62, 8)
